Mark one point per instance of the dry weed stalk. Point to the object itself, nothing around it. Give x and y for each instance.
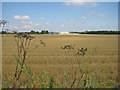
(82, 51)
(68, 47)
(76, 80)
(23, 41)
(2, 22)
(2, 25)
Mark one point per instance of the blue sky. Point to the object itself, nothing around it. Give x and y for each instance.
(60, 16)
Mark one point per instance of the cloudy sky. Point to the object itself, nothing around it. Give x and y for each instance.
(60, 16)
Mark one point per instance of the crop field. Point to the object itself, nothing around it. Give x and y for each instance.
(101, 58)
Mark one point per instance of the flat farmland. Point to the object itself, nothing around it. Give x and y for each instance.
(101, 56)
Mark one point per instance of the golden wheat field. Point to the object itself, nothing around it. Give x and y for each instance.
(101, 56)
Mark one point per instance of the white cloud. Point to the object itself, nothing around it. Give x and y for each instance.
(15, 27)
(41, 18)
(72, 20)
(102, 15)
(84, 18)
(79, 3)
(62, 26)
(25, 17)
(26, 27)
(23, 22)
(11, 27)
(37, 24)
(17, 17)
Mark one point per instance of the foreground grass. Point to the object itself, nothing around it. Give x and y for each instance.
(88, 80)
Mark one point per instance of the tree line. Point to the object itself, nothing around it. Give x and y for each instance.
(98, 32)
(42, 32)
(32, 32)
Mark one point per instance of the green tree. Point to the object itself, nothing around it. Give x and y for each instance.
(44, 32)
(32, 32)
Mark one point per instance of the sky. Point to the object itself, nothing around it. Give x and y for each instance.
(60, 16)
